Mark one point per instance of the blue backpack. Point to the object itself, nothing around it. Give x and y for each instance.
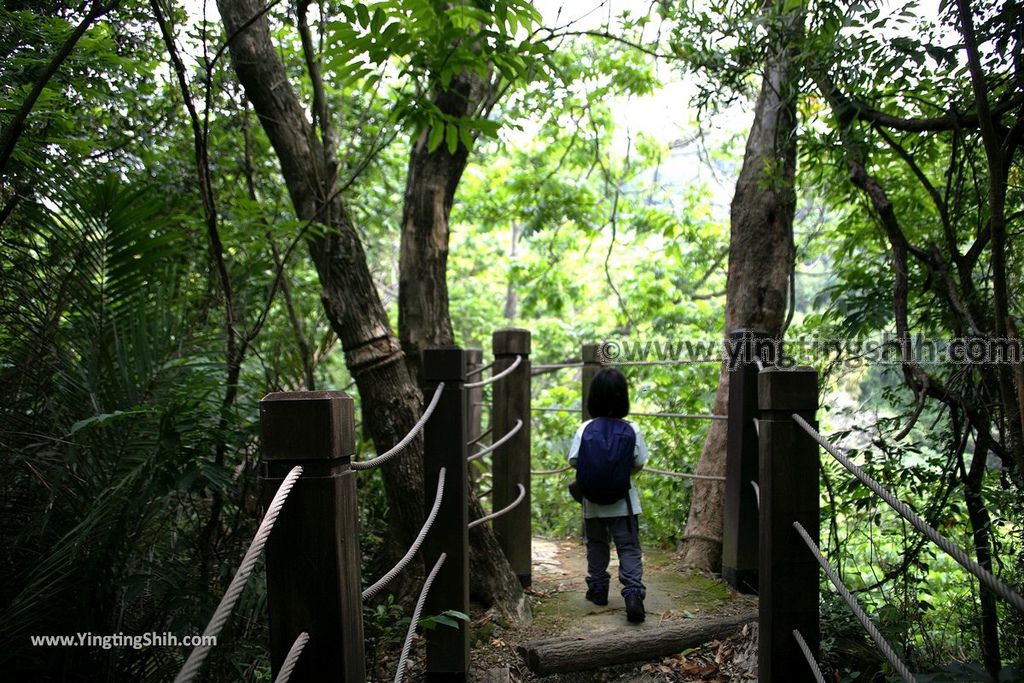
(605, 460)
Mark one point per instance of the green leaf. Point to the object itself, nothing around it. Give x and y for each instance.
(451, 137)
(435, 137)
(364, 14)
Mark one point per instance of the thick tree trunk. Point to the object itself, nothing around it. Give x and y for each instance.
(607, 648)
(423, 316)
(391, 399)
(760, 264)
(492, 580)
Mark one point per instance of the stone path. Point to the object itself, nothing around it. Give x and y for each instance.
(559, 568)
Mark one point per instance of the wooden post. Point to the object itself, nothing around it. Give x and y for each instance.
(591, 364)
(474, 412)
(739, 528)
(788, 573)
(510, 463)
(444, 445)
(313, 557)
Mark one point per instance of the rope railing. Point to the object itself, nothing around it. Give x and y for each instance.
(815, 670)
(555, 409)
(494, 378)
(292, 658)
(416, 544)
(227, 603)
(414, 622)
(508, 435)
(683, 416)
(986, 577)
(678, 361)
(406, 440)
(560, 470)
(499, 513)
(540, 367)
(480, 438)
(682, 475)
(483, 368)
(676, 416)
(883, 645)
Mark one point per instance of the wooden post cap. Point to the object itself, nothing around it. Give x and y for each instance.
(591, 353)
(444, 364)
(307, 425)
(793, 389)
(511, 341)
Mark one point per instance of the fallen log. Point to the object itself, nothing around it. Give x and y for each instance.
(583, 652)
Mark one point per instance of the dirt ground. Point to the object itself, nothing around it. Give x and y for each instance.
(559, 607)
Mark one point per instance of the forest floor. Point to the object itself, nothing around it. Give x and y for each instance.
(559, 608)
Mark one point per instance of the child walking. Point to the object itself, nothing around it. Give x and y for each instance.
(606, 452)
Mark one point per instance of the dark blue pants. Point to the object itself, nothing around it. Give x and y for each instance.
(600, 531)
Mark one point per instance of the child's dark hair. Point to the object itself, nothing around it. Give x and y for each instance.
(609, 394)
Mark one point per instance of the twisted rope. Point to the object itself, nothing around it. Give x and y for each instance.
(556, 410)
(858, 611)
(481, 437)
(808, 655)
(499, 513)
(556, 366)
(482, 368)
(417, 611)
(406, 440)
(495, 378)
(557, 471)
(508, 435)
(983, 575)
(234, 591)
(292, 658)
(415, 547)
(683, 416)
(661, 362)
(757, 492)
(683, 475)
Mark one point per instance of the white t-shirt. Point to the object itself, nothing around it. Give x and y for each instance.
(618, 508)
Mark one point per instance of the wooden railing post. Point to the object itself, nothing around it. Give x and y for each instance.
(313, 557)
(591, 354)
(510, 463)
(444, 445)
(475, 396)
(739, 528)
(788, 573)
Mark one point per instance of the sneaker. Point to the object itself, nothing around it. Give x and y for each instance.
(635, 608)
(599, 598)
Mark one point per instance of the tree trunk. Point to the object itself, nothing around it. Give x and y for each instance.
(492, 580)
(760, 265)
(423, 314)
(980, 525)
(423, 317)
(585, 652)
